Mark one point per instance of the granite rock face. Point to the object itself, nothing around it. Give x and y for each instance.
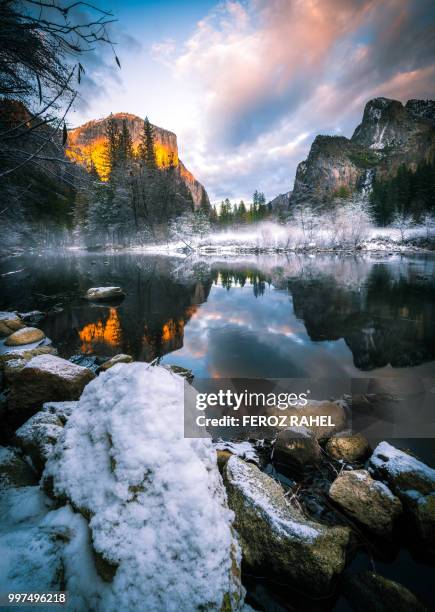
(88, 140)
(389, 135)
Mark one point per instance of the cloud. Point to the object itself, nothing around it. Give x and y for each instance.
(164, 51)
(270, 74)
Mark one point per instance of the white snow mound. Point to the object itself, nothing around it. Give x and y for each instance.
(156, 499)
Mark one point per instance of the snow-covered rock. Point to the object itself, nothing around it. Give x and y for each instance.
(412, 481)
(104, 293)
(38, 436)
(42, 549)
(11, 368)
(159, 521)
(402, 471)
(368, 501)
(45, 378)
(276, 538)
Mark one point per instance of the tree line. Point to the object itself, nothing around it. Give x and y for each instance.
(409, 195)
(240, 214)
(137, 199)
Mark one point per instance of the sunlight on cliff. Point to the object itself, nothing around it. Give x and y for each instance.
(108, 332)
(95, 152)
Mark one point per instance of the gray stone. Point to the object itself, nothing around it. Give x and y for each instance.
(38, 436)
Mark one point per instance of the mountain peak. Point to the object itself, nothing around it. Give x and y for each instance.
(86, 142)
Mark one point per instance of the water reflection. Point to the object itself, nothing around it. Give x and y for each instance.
(260, 316)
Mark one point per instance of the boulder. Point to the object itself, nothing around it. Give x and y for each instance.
(158, 516)
(121, 358)
(10, 322)
(26, 354)
(14, 471)
(368, 501)
(11, 368)
(413, 482)
(370, 591)
(295, 448)
(402, 471)
(351, 448)
(45, 378)
(104, 293)
(276, 538)
(38, 436)
(244, 449)
(26, 335)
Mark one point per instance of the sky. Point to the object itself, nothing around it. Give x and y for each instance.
(246, 85)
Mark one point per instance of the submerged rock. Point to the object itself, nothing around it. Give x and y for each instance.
(10, 322)
(158, 516)
(368, 501)
(45, 378)
(26, 335)
(38, 436)
(104, 293)
(121, 358)
(295, 448)
(14, 471)
(354, 447)
(412, 481)
(370, 591)
(276, 538)
(33, 317)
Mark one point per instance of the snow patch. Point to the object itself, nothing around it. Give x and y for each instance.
(157, 501)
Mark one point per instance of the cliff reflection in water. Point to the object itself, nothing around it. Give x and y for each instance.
(260, 316)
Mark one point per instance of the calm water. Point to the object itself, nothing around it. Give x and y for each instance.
(258, 317)
(324, 316)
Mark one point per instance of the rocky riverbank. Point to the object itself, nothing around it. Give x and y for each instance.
(101, 495)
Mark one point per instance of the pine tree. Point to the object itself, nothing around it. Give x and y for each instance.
(112, 141)
(147, 151)
(125, 143)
